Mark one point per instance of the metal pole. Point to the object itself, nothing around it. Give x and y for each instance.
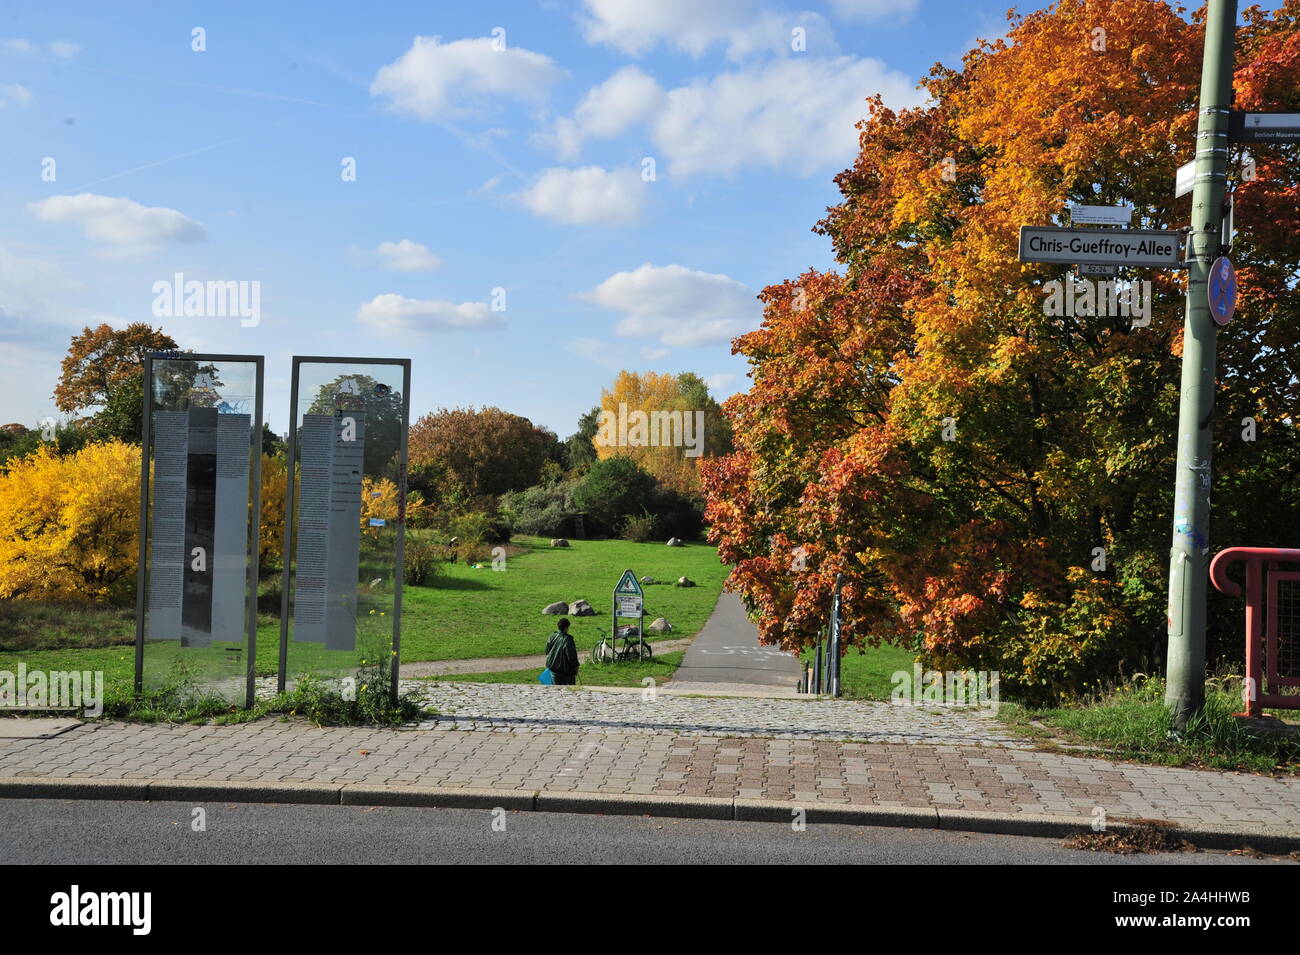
(254, 538)
(400, 579)
(286, 558)
(1189, 555)
(146, 435)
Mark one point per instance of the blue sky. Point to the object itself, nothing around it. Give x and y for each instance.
(491, 168)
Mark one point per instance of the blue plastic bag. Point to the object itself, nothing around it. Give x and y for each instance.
(547, 677)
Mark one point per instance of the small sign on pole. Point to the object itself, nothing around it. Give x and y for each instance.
(1101, 215)
(1099, 271)
(1185, 179)
(1264, 127)
(1222, 290)
(629, 601)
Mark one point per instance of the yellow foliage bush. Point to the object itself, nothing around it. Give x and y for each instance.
(379, 500)
(68, 525)
(270, 534)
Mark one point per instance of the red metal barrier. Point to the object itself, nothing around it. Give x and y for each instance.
(1272, 651)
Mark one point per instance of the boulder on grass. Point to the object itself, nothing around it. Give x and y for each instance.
(675, 542)
(647, 579)
(580, 608)
(685, 582)
(558, 609)
(661, 625)
(559, 542)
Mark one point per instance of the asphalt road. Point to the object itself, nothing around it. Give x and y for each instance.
(727, 651)
(86, 832)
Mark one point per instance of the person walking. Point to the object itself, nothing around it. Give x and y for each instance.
(562, 655)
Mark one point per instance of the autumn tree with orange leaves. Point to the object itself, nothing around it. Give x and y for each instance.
(983, 550)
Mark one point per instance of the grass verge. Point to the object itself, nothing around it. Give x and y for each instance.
(1132, 723)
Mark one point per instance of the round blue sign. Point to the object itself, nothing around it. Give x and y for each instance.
(1222, 290)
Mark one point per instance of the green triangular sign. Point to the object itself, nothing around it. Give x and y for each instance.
(628, 585)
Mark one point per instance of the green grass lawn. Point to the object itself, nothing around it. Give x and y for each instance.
(472, 613)
(624, 673)
(465, 613)
(867, 676)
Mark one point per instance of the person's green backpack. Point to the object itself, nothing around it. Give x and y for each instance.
(555, 652)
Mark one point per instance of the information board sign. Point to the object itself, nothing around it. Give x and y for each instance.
(345, 528)
(200, 487)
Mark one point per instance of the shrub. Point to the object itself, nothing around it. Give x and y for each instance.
(68, 525)
(420, 557)
(641, 527)
(613, 488)
(379, 500)
(545, 510)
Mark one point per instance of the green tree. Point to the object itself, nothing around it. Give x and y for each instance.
(614, 489)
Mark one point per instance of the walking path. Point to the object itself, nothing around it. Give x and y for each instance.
(727, 652)
(427, 668)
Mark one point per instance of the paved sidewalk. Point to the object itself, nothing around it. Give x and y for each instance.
(536, 708)
(1010, 782)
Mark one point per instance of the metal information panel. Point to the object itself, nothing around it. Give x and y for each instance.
(1127, 247)
(200, 481)
(342, 599)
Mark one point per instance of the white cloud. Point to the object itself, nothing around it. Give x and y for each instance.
(60, 48)
(721, 383)
(598, 350)
(677, 305)
(33, 290)
(742, 26)
(407, 256)
(434, 80)
(865, 10)
(628, 97)
(654, 354)
(793, 113)
(587, 196)
(119, 222)
(14, 93)
(396, 313)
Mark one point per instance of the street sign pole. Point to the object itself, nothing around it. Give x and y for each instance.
(1189, 555)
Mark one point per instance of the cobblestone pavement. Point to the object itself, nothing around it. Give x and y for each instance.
(482, 706)
(981, 778)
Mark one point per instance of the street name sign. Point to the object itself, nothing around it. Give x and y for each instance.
(1101, 215)
(1130, 247)
(1264, 127)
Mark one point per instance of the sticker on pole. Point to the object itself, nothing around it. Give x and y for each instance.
(1222, 290)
